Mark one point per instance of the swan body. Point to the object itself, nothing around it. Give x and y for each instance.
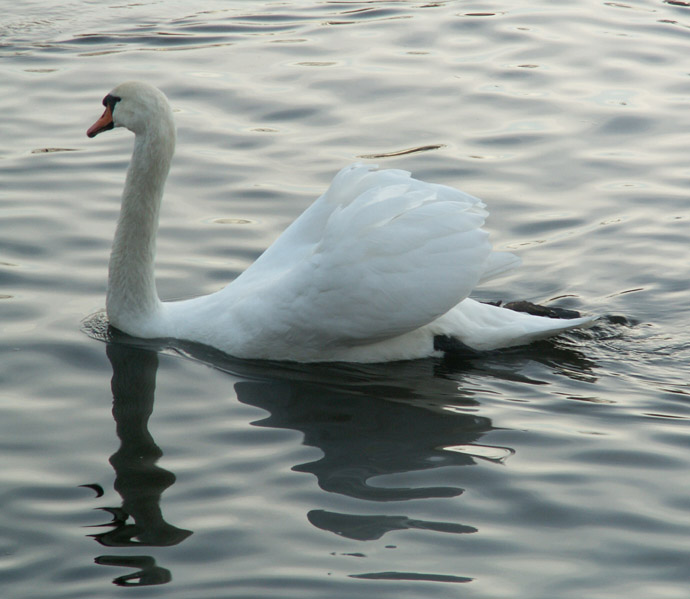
(377, 269)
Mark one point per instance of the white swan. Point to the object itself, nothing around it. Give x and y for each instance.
(377, 269)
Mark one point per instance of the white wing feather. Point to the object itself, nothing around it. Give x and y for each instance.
(378, 255)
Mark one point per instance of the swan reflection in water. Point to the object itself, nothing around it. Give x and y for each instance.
(138, 480)
(367, 420)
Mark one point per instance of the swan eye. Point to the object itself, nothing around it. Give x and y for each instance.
(109, 101)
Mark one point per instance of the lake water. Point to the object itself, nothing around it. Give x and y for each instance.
(559, 470)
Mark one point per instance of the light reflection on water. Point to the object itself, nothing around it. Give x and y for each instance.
(557, 470)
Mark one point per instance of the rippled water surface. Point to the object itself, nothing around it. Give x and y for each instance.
(552, 471)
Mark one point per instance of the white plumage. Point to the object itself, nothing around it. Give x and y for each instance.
(378, 267)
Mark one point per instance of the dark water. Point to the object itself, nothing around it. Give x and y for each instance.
(553, 471)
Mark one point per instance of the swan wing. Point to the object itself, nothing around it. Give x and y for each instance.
(378, 255)
(298, 240)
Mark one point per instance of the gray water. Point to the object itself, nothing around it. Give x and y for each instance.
(558, 470)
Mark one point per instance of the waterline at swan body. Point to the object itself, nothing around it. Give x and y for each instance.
(377, 269)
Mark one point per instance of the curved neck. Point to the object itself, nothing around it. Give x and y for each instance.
(132, 301)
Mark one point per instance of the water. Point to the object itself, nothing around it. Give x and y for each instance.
(552, 471)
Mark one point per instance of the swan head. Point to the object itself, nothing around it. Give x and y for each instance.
(135, 105)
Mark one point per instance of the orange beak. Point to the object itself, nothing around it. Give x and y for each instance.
(102, 124)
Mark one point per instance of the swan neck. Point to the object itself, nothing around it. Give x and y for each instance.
(132, 301)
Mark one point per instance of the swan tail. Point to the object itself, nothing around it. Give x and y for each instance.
(485, 327)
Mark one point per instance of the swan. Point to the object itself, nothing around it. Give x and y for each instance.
(379, 268)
